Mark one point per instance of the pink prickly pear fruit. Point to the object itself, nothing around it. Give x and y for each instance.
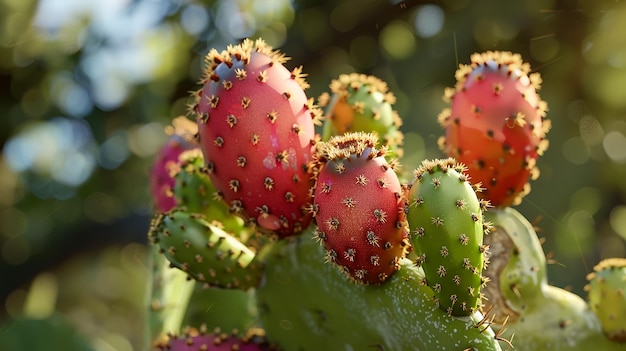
(359, 208)
(256, 129)
(166, 164)
(194, 340)
(496, 125)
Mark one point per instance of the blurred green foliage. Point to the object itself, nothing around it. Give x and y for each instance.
(88, 86)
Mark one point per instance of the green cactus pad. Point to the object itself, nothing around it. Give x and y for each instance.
(517, 267)
(170, 292)
(607, 296)
(224, 309)
(305, 304)
(176, 302)
(540, 316)
(446, 222)
(206, 252)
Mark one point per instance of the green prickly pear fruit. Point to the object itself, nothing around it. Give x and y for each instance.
(194, 340)
(362, 103)
(256, 130)
(358, 208)
(446, 221)
(607, 296)
(204, 251)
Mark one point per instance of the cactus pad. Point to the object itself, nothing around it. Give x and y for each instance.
(206, 252)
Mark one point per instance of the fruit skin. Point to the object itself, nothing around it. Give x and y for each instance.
(541, 316)
(358, 208)
(194, 340)
(446, 220)
(305, 304)
(607, 296)
(204, 251)
(256, 129)
(496, 124)
(362, 103)
(166, 164)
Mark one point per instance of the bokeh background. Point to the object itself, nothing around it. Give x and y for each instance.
(87, 87)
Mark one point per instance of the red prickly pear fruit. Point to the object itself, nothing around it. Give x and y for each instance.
(496, 125)
(194, 340)
(256, 129)
(166, 164)
(362, 103)
(358, 208)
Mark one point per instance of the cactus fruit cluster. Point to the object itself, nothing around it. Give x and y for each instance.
(307, 241)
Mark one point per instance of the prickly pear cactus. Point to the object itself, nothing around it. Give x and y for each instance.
(446, 220)
(260, 159)
(496, 124)
(358, 208)
(607, 296)
(362, 103)
(204, 251)
(256, 128)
